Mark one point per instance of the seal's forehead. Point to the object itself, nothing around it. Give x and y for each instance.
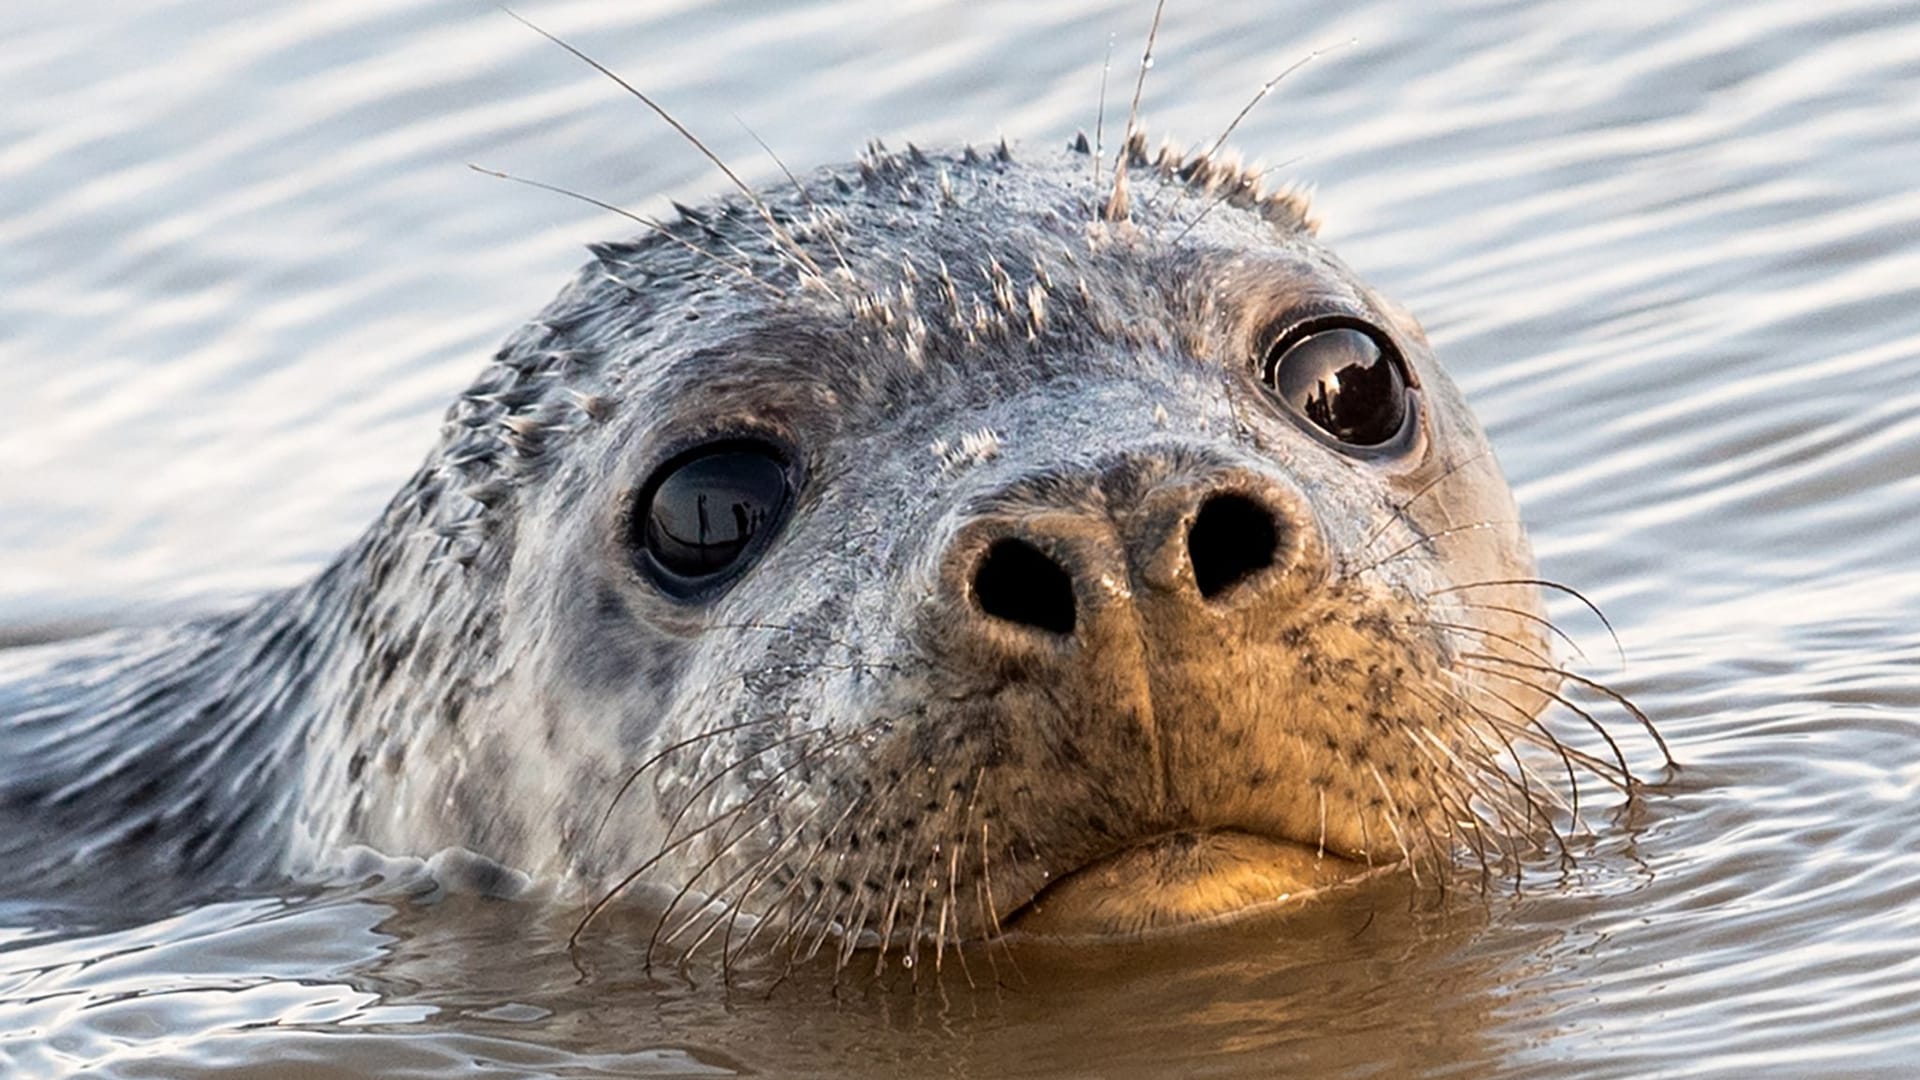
(875, 277)
(845, 228)
(969, 207)
(871, 275)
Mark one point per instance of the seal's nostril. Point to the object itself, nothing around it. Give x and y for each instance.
(1017, 582)
(1232, 538)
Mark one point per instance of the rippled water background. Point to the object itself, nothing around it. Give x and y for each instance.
(1672, 252)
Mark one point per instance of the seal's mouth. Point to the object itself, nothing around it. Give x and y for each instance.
(1181, 879)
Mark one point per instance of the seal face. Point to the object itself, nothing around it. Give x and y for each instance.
(932, 546)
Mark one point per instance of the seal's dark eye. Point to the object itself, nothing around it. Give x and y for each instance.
(1344, 378)
(707, 513)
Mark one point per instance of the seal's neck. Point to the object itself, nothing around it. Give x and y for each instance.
(239, 747)
(162, 756)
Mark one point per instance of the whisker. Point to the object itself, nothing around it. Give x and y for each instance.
(852, 939)
(1592, 722)
(928, 877)
(1556, 587)
(1100, 115)
(1224, 197)
(727, 844)
(686, 806)
(1259, 96)
(1487, 764)
(1485, 453)
(1545, 623)
(1424, 541)
(1468, 628)
(1640, 717)
(1421, 821)
(752, 797)
(780, 237)
(692, 740)
(1524, 778)
(958, 847)
(1392, 819)
(800, 875)
(806, 196)
(1464, 818)
(1267, 88)
(1116, 208)
(794, 830)
(1533, 733)
(999, 934)
(643, 221)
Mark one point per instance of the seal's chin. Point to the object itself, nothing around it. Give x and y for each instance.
(1181, 879)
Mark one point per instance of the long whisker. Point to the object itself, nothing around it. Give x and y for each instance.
(1259, 96)
(806, 196)
(1267, 88)
(1599, 729)
(1464, 819)
(1100, 115)
(643, 221)
(1391, 817)
(850, 920)
(1525, 781)
(781, 239)
(993, 908)
(692, 740)
(727, 950)
(1639, 716)
(1429, 538)
(752, 871)
(725, 847)
(1225, 197)
(693, 797)
(1545, 584)
(1532, 731)
(1116, 208)
(1544, 622)
(1480, 631)
(1402, 506)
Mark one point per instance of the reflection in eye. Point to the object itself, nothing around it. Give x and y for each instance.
(702, 516)
(1345, 382)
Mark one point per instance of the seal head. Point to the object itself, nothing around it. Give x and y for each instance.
(932, 537)
(917, 550)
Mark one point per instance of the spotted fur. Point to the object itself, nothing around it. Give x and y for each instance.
(836, 754)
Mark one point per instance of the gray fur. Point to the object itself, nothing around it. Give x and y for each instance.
(952, 344)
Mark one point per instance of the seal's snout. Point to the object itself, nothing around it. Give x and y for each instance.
(1228, 539)
(1054, 558)
(1135, 623)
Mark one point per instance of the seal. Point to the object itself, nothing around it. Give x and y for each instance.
(937, 545)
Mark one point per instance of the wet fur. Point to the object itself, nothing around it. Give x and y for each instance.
(938, 337)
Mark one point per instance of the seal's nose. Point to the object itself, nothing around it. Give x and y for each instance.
(1232, 538)
(1040, 561)
(1018, 583)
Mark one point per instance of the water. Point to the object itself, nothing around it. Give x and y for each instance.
(1671, 251)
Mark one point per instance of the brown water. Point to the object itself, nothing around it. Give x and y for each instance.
(1672, 252)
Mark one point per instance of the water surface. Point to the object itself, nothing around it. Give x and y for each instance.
(1671, 252)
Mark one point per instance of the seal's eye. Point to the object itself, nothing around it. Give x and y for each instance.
(1345, 378)
(706, 514)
